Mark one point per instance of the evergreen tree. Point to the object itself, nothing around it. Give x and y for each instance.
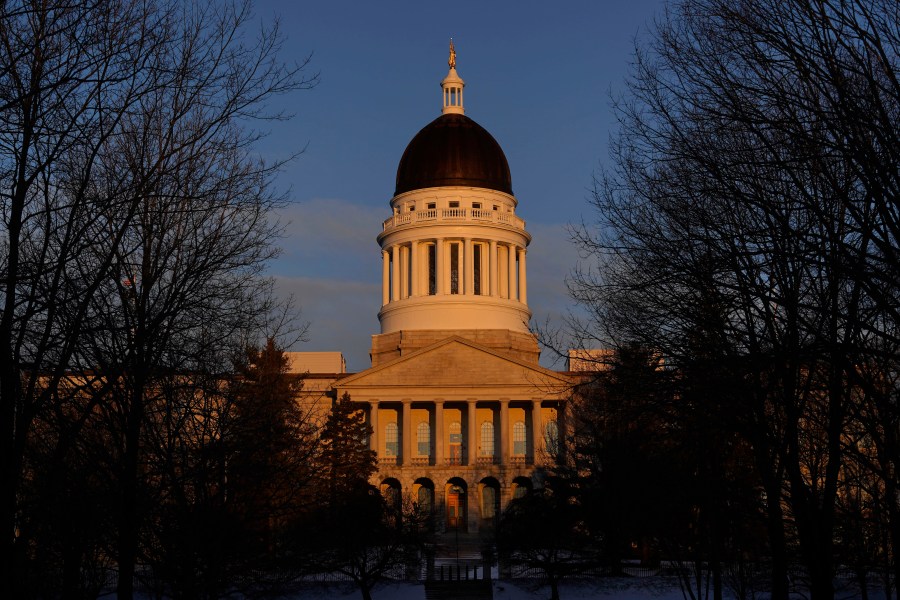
(271, 445)
(347, 460)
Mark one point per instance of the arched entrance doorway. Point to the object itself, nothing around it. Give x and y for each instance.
(423, 492)
(390, 489)
(490, 501)
(457, 504)
(521, 487)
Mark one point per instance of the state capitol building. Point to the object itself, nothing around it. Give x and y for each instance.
(463, 415)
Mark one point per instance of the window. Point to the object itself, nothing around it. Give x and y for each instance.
(432, 270)
(496, 207)
(391, 440)
(454, 268)
(432, 205)
(487, 439)
(423, 439)
(488, 502)
(455, 443)
(476, 205)
(551, 437)
(519, 491)
(392, 495)
(425, 498)
(476, 268)
(519, 438)
(454, 204)
(412, 208)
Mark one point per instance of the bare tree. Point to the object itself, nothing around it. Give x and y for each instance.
(136, 218)
(70, 75)
(755, 172)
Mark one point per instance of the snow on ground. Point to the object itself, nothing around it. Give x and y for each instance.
(609, 588)
(603, 588)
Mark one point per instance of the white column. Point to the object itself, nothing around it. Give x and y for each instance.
(503, 437)
(523, 289)
(511, 271)
(439, 433)
(385, 277)
(404, 271)
(395, 272)
(373, 421)
(472, 439)
(469, 271)
(439, 267)
(414, 269)
(493, 268)
(405, 432)
(502, 267)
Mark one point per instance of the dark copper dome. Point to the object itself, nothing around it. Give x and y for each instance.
(453, 150)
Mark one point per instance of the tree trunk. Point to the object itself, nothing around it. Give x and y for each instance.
(554, 589)
(128, 518)
(777, 543)
(71, 580)
(366, 592)
(894, 531)
(8, 482)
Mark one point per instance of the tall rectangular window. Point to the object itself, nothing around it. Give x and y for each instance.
(476, 268)
(487, 439)
(391, 440)
(432, 269)
(455, 443)
(519, 439)
(423, 439)
(454, 268)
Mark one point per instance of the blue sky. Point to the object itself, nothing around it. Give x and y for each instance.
(538, 76)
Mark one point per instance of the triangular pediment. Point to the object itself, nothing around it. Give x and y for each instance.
(457, 367)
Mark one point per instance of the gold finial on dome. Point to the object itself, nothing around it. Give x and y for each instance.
(452, 86)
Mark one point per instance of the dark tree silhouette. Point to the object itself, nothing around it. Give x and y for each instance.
(543, 532)
(356, 530)
(755, 172)
(271, 446)
(346, 459)
(134, 223)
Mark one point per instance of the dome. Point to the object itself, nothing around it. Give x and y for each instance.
(453, 150)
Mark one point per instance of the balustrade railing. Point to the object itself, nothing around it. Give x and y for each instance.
(455, 215)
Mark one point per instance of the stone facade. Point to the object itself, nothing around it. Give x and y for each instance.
(459, 413)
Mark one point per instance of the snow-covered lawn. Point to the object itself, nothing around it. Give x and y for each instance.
(606, 588)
